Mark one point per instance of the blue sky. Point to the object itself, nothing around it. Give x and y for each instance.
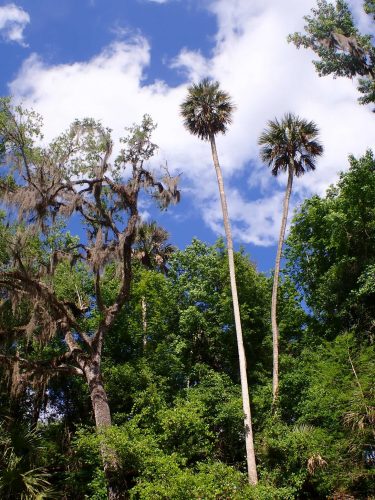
(118, 59)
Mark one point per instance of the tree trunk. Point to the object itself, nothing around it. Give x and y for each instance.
(98, 396)
(275, 330)
(102, 416)
(144, 320)
(250, 452)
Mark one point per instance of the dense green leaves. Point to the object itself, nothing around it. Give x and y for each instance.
(330, 31)
(331, 251)
(21, 472)
(176, 401)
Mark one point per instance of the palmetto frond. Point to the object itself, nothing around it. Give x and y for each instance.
(151, 247)
(20, 477)
(292, 141)
(207, 109)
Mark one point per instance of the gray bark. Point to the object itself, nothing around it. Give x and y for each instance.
(250, 452)
(103, 420)
(144, 321)
(98, 396)
(275, 329)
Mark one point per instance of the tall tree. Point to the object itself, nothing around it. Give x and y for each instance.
(67, 320)
(330, 31)
(206, 112)
(289, 145)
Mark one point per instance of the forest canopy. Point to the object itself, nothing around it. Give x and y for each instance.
(168, 370)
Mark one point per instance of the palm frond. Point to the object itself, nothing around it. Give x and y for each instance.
(207, 110)
(291, 142)
(151, 247)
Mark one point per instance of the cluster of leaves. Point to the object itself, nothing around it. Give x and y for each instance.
(331, 255)
(22, 474)
(331, 32)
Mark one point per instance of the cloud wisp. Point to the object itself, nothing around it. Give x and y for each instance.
(158, 1)
(13, 21)
(266, 78)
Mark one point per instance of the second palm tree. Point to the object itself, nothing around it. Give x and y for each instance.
(288, 145)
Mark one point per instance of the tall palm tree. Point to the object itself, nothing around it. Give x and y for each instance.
(289, 145)
(207, 111)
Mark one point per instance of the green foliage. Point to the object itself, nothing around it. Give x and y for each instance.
(138, 143)
(369, 7)
(178, 410)
(221, 406)
(341, 398)
(342, 50)
(212, 481)
(153, 474)
(21, 476)
(294, 457)
(331, 251)
(170, 359)
(128, 338)
(292, 317)
(18, 124)
(135, 387)
(200, 277)
(183, 430)
(85, 142)
(72, 284)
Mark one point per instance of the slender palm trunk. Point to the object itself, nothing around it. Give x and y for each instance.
(275, 330)
(250, 452)
(144, 320)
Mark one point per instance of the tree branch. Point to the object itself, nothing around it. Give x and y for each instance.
(53, 366)
(16, 279)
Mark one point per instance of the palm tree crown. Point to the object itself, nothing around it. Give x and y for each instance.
(151, 247)
(207, 110)
(291, 141)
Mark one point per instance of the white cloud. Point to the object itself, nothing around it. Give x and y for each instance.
(364, 21)
(266, 77)
(13, 20)
(255, 220)
(193, 64)
(145, 215)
